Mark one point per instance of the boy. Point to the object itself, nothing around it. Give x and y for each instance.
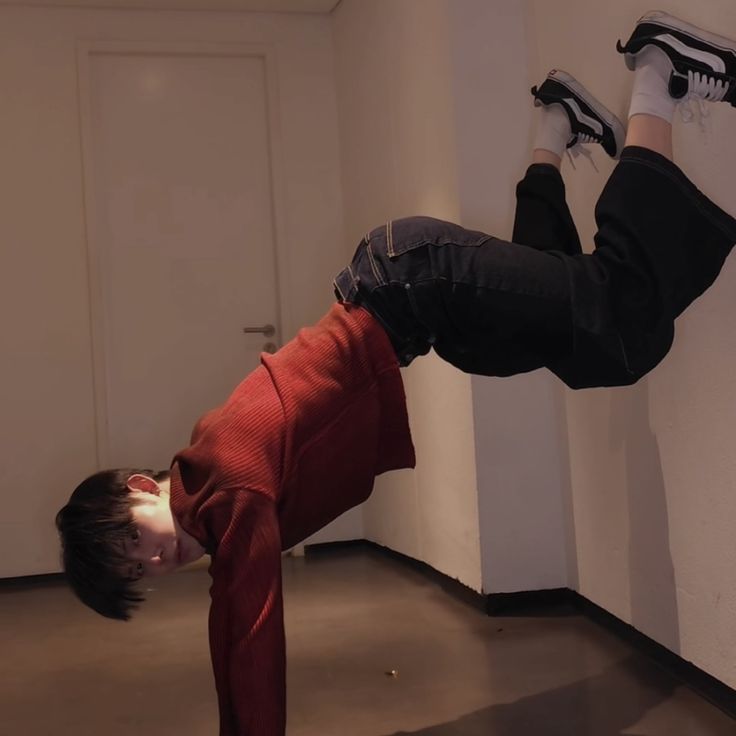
(302, 438)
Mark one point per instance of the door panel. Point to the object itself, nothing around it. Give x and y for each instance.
(185, 241)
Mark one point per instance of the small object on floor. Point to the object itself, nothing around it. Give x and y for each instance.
(391, 673)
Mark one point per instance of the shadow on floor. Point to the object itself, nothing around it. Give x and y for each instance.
(603, 705)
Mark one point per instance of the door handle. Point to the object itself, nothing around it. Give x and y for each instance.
(267, 331)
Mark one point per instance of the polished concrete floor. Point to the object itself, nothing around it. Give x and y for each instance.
(352, 616)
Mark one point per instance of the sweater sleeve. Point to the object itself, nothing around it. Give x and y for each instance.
(246, 617)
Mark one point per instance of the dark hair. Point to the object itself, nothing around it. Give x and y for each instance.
(92, 527)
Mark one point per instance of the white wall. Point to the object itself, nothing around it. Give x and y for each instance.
(47, 434)
(399, 158)
(523, 485)
(430, 125)
(653, 467)
(626, 494)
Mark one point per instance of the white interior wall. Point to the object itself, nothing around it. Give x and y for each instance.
(652, 467)
(628, 491)
(48, 434)
(430, 126)
(523, 484)
(399, 158)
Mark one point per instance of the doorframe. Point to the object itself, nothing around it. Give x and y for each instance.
(88, 49)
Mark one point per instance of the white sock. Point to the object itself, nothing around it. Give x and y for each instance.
(651, 93)
(553, 129)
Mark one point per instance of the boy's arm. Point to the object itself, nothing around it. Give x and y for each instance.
(246, 617)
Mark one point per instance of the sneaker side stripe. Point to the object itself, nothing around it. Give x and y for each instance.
(713, 61)
(592, 123)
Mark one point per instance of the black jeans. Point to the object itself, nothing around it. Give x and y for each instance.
(499, 308)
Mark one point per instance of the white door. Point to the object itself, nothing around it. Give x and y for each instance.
(184, 236)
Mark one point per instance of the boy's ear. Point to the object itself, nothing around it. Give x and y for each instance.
(140, 482)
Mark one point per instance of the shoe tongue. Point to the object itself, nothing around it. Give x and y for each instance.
(678, 85)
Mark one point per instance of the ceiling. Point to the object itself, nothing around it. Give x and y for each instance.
(273, 6)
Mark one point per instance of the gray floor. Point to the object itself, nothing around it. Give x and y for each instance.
(352, 616)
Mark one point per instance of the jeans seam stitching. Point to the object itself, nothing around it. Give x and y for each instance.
(372, 262)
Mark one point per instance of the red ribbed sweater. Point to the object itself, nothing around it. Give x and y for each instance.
(299, 442)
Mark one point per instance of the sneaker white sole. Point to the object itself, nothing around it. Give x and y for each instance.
(669, 21)
(619, 133)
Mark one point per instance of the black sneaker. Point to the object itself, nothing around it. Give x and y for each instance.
(703, 64)
(589, 120)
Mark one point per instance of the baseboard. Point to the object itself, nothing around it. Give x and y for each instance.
(552, 602)
(450, 585)
(24, 582)
(563, 599)
(707, 686)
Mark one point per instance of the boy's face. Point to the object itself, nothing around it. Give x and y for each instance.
(158, 545)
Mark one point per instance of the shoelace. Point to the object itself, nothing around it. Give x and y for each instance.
(701, 88)
(705, 88)
(579, 150)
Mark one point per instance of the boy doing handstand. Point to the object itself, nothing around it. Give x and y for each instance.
(302, 438)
